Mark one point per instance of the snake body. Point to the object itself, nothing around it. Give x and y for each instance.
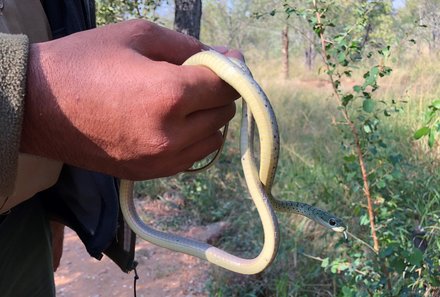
(256, 110)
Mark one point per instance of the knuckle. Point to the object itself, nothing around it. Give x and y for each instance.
(143, 26)
(164, 145)
(161, 144)
(193, 42)
(174, 90)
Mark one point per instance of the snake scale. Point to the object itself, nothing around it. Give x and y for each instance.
(257, 111)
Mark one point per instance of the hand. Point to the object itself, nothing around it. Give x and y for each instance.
(117, 100)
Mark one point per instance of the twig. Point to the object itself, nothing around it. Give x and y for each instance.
(322, 260)
(355, 134)
(363, 242)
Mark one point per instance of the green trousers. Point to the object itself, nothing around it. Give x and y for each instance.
(25, 252)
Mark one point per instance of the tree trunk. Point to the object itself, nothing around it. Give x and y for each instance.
(310, 51)
(435, 36)
(285, 51)
(187, 17)
(367, 35)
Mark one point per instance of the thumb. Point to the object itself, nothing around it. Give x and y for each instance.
(231, 53)
(162, 44)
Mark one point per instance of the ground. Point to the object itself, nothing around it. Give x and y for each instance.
(161, 272)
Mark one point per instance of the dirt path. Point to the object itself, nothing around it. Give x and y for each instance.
(162, 272)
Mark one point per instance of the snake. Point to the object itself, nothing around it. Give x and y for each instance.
(259, 175)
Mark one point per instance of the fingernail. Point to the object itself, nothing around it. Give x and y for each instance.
(221, 49)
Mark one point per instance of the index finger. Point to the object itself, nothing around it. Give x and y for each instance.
(162, 44)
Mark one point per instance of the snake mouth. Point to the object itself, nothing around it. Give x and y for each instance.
(339, 229)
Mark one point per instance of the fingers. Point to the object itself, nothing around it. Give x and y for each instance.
(200, 150)
(202, 124)
(205, 90)
(162, 44)
(231, 53)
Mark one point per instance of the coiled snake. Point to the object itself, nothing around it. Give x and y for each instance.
(259, 182)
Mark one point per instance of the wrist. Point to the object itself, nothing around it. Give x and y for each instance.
(39, 109)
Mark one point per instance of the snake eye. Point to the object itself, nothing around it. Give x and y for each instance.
(332, 222)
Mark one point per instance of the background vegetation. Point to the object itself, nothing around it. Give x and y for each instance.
(349, 81)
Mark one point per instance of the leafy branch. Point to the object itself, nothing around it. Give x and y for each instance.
(343, 100)
(431, 125)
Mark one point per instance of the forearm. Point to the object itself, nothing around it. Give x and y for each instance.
(13, 65)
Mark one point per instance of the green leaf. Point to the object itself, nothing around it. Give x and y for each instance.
(364, 220)
(385, 71)
(368, 105)
(381, 184)
(346, 99)
(398, 265)
(343, 266)
(385, 52)
(367, 128)
(358, 89)
(347, 292)
(325, 262)
(350, 158)
(436, 104)
(386, 252)
(347, 73)
(429, 115)
(416, 257)
(431, 138)
(421, 132)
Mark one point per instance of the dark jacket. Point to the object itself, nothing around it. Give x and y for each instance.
(83, 200)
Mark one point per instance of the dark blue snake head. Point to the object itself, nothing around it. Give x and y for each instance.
(330, 221)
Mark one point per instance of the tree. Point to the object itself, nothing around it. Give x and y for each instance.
(428, 12)
(187, 17)
(285, 51)
(113, 11)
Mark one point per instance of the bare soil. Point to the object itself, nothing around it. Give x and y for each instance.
(161, 272)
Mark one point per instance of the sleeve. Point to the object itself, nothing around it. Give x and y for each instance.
(13, 64)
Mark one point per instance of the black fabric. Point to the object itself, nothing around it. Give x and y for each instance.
(25, 253)
(69, 16)
(121, 251)
(87, 202)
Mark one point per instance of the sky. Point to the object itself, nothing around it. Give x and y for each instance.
(398, 3)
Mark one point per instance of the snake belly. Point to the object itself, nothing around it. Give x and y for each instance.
(236, 75)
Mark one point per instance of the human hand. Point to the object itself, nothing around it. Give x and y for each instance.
(116, 100)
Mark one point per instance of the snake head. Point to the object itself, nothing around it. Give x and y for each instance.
(330, 221)
(336, 224)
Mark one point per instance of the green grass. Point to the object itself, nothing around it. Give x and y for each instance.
(311, 169)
